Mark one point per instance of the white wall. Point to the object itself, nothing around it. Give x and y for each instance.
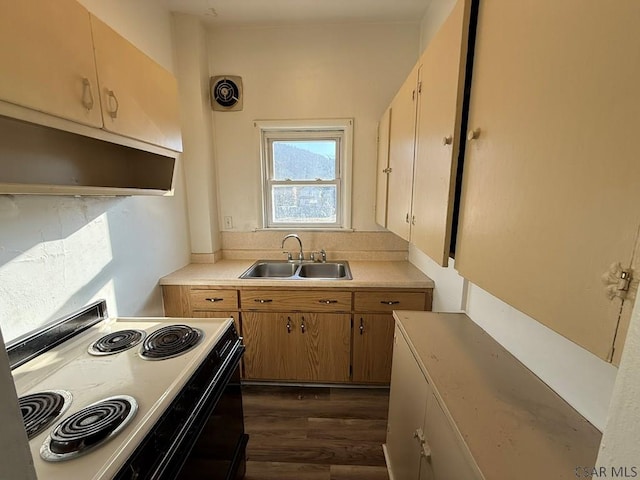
(192, 72)
(306, 72)
(436, 13)
(620, 446)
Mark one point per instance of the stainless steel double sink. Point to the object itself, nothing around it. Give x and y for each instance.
(281, 269)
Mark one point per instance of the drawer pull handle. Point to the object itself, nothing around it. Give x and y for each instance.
(390, 302)
(327, 301)
(263, 300)
(214, 299)
(361, 326)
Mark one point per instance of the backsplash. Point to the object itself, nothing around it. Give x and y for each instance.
(338, 245)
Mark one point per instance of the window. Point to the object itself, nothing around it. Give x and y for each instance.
(306, 169)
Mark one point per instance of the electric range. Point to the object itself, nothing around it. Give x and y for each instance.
(168, 405)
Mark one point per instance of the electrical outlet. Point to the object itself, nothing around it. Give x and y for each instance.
(228, 222)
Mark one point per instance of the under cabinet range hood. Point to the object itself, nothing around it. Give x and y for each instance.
(36, 159)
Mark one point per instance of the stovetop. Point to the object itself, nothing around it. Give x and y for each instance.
(89, 379)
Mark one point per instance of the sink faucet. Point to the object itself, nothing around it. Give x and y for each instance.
(293, 235)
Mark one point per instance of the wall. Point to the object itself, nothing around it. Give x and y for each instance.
(620, 447)
(192, 72)
(306, 72)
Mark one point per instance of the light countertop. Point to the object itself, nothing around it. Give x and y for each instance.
(366, 274)
(514, 425)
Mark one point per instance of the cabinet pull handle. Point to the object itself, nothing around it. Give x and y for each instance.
(327, 301)
(113, 112)
(214, 299)
(390, 302)
(87, 94)
(288, 324)
(302, 325)
(263, 300)
(361, 326)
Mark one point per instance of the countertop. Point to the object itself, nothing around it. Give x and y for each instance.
(514, 425)
(366, 274)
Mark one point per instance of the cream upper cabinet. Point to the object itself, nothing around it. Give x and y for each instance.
(382, 173)
(139, 97)
(47, 57)
(401, 152)
(551, 183)
(438, 138)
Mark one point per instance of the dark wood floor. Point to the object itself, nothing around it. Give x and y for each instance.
(315, 433)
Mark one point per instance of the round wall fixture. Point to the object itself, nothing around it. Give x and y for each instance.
(226, 93)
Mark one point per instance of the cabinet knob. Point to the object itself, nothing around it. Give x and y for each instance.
(448, 140)
(473, 134)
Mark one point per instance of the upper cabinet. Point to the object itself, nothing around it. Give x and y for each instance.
(382, 178)
(401, 152)
(47, 57)
(139, 98)
(61, 61)
(551, 179)
(438, 137)
(425, 141)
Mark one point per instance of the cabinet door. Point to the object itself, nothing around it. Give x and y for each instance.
(372, 348)
(449, 459)
(139, 97)
(382, 173)
(323, 347)
(438, 135)
(407, 405)
(401, 151)
(47, 57)
(550, 190)
(271, 341)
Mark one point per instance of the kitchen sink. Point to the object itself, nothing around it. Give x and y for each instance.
(281, 269)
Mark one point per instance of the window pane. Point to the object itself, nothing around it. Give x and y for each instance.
(304, 160)
(304, 203)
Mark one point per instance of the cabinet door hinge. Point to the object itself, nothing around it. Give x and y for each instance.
(617, 281)
(387, 170)
(352, 323)
(420, 86)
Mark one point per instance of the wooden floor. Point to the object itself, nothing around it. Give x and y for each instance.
(315, 433)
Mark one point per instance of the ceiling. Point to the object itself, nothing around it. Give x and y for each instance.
(282, 12)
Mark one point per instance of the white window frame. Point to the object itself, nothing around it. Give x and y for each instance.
(341, 129)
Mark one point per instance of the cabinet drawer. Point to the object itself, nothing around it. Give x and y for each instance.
(292, 301)
(209, 299)
(388, 301)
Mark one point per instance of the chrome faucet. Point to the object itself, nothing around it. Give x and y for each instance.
(293, 235)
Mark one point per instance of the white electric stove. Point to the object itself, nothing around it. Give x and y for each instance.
(167, 403)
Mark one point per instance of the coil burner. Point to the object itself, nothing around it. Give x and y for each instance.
(88, 428)
(40, 410)
(170, 341)
(116, 342)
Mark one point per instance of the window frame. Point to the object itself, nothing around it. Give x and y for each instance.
(307, 130)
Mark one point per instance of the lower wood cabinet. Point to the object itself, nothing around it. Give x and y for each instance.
(328, 335)
(308, 347)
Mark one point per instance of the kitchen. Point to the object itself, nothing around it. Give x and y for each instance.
(136, 240)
